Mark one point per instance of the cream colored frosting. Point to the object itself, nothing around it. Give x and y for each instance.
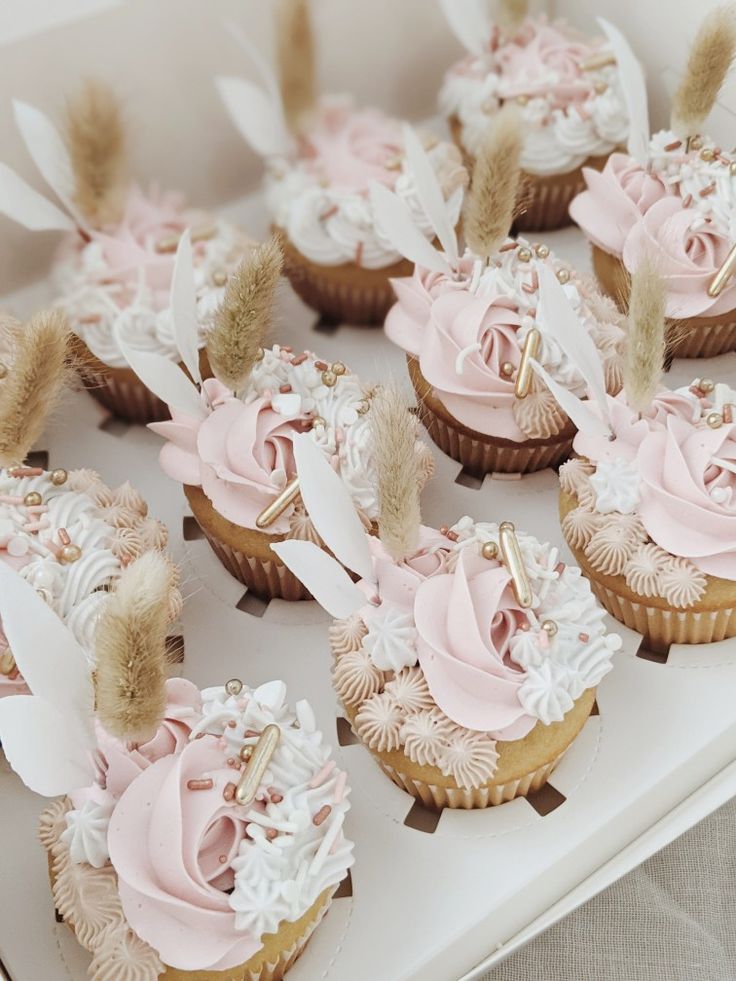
(356, 677)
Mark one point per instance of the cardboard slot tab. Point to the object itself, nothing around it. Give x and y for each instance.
(250, 603)
(326, 325)
(191, 530)
(345, 734)
(655, 656)
(114, 427)
(546, 799)
(345, 889)
(467, 479)
(38, 458)
(421, 818)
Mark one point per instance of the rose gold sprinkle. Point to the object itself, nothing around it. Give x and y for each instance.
(452, 535)
(251, 732)
(90, 318)
(322, 814)
(284, 389)
(300, 358)
(727, 412)
(229, 792)
(288, 348)
(675, 145)
(10, 499)
(26, 472)
(276, 798)
(527, 288)
(708, 190)
(443, 530)
(321, 365)
(222, 859)
(359, 254)
(205, 784)
(64, 536)
(329, 213)
(697, 391)
(230, 761)
(271, 833)
(584, 638)
(507, 247)
(687, 201)
(232, 724)
(535, 279)
(560, 568)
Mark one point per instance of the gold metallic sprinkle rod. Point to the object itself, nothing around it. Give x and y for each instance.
(257, 764)
(277, 507)
(524, 374)
(724, 274)
(513, 561)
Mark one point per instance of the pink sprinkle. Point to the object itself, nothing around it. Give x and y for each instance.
(507, 247)
(26, 472)
(452, 535)
(222, 859)
(322, 814)
(329, 213)
(52, 547)
(543, 640)
(285, 389)
(64, 536)
(276, 798)
(560, 568)
(205, 784)
(271, 833)
(527, 288)
(708, 190)
(342, 779)
(288, 348)
(32, 526)
(584, 638)
(687, 201)
(535, 279)
(37, 509)
(727, 413)
(232, 724)
(10, 499)
(675, 145)
(323, 774)
(299, 359)
(251, 733)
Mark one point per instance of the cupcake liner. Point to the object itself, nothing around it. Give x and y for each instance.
(460, 797)
(269, 579)
(698, 337)
(125, 395)
(480, 454)
(346, 293)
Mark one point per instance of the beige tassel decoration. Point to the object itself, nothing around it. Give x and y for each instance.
(491, 201)
(130, 647)
(511, 14)
(33, 383)
(398, 467)
(95, 137)
(243, 319)
(645, 344)
(710, 59)
(296, 62)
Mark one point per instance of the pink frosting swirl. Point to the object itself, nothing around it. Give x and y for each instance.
(351, 148)
(233, 454)
(687, 259)
(122, 764)
(398, 582)
(615, 200)
(688, 493)
(165, 844)
(408, 317)
(464, 623)
(545, 62)
(480, 396)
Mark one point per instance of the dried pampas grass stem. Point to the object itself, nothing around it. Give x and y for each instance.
(296, 62)
(40, 368)
(95, 137)
(244, 316)
(398, 468)
(645, 346)
(130, 645)
(491, 201)
(710, 59)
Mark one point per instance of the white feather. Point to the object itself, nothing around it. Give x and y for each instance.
(49, 154)
(325, 578)
(21, 203)
(330, 507)
(47, 748)
(184, 307)
(470, 22)
(559, 321)
(45, 650)
(255, 116)
(430, 193)
(261, 65)
(634, 87)
(165, 379)
(583, 419)
(394, 221)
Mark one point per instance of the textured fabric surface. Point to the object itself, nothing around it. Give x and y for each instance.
(672, 919)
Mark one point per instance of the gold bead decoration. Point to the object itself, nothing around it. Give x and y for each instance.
(363, 407)
(338, 368)
(714, 420)
(732, 169)
(707, 154)
(32, 499)
(507, 369)
(3, 371)
(234, 686)
(7, 663)
(329, 378)
(318, 421)
(563, 276)
(695, 143)
(71, 553)
(59, 477)
(543, 251)
(600, 87)
(489, 550)
(549, 627)
(245, 753)
(524, 254)
(219, 277)
(706, 386)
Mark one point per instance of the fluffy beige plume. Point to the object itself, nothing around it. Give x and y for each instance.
(296, 62)
(40, 368)
(710, 59)
(398, 468)
(511, 13)
(242, 321)
(130, 646)
(95, 137)
(491, 201)
(645, 343)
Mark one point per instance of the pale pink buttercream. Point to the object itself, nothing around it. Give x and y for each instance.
(687, 258)
(680, 472)
(615, 200)
(165, 842)
(464, 623)
(397, 582)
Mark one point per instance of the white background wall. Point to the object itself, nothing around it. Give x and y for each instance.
(162, 55)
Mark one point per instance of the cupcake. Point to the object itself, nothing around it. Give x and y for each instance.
(493, 333)
(467, 660)
(648, 506)
(673, 199)
(65, 532)
(195, 834)
(567, 89)
(321, 155)
(114, 268)
(232, 441)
